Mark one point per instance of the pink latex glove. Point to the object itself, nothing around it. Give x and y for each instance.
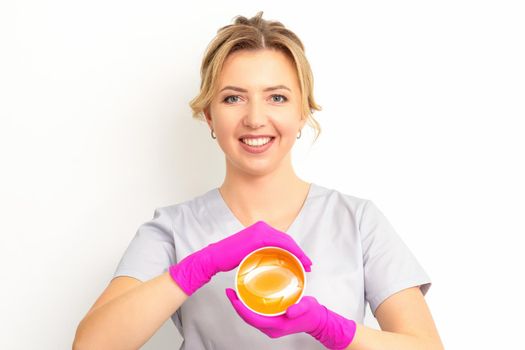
(331, 329)
(198, 268)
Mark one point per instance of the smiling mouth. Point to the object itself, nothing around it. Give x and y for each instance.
(270, 140)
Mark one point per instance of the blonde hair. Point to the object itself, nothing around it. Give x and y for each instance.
(252, 34)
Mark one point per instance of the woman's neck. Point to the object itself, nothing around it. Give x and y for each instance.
(272, 198)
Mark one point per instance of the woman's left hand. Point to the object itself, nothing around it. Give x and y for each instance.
(331, 329)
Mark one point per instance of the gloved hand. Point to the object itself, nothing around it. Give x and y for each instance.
(198, 268)
(331, 329)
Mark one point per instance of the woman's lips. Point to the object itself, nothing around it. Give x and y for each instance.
(256, 150)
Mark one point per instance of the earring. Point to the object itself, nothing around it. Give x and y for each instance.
(212, 135)
(298, 137)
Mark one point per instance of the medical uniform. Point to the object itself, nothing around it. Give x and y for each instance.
(357, 258)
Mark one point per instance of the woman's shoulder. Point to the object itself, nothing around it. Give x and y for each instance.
(193, 205)
(330, 199)
(327, 193)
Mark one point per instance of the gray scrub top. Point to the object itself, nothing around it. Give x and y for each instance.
(357, 258)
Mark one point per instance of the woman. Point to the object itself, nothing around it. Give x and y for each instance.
(256, 95)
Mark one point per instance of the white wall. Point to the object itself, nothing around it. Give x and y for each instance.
(423, 111)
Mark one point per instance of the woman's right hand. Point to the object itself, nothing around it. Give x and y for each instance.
(197, 269)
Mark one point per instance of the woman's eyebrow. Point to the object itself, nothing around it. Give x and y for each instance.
(271, 88)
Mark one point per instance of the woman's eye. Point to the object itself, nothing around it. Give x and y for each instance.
(228, 99)
(284, 99)
(235, 98)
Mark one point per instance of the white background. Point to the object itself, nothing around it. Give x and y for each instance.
(423, 109)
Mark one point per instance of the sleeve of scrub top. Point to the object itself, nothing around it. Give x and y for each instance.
(389, 266)
(151, 251)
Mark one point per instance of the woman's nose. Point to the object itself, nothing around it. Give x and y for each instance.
(255, 115)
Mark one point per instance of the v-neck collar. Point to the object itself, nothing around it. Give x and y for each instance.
(219, 207)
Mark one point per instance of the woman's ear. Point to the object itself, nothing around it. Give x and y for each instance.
(207, 115)
(303, 121)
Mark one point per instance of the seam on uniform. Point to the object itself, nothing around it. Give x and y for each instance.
(360, 213)
(379, 298)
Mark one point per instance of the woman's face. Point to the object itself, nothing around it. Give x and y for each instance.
(258, 94)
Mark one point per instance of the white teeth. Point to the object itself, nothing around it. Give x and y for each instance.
(257, 142)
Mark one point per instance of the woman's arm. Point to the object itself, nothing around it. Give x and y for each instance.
(406, 323)
(133, 314)
(128, 313)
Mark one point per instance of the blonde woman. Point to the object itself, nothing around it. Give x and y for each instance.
(256, 95)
